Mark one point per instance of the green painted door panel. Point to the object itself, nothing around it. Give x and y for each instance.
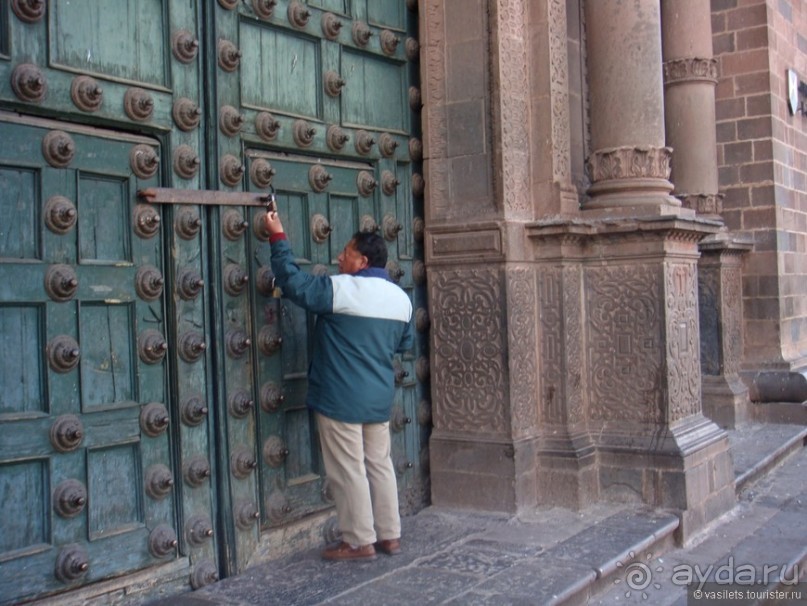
(126, 43)
(74, 396)
(280, 69)
(293, 484)
(122, 64)
(22, 374)
(374, 94)
(336, 6)
(196, 407)
(387, 13)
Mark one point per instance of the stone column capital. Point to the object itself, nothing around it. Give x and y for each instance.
(629, 162)
(621, 175)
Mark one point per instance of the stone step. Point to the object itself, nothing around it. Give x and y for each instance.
(761, 545)
(794, 413)
(573, 570)
(756, 448)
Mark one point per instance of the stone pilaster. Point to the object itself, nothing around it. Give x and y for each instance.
(655, 445)
(567, 459)
(482, 292)
(725, 396)
(629, 165)
(549, 89)
(638, 366)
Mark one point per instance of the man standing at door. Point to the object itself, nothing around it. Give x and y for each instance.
(363, 320)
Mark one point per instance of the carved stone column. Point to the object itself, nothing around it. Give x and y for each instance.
(629, 165)
(690, 77)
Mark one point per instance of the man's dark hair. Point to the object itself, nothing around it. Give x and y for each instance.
(372, 246)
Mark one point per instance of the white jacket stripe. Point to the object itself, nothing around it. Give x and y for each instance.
(369, 297)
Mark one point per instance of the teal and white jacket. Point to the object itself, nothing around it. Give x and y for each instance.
(363, 320)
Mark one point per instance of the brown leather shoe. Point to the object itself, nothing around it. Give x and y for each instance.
(389, 546)
(345, 551)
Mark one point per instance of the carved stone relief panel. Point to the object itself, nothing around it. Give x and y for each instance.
(522, 338)
(551, 318)
(559, 67)
(574, 372)
(433, 53)
(562, 365)
(732, 318)
(683, 341)
(513, 79)
(469, 374)
(710, 325)
(624, 342)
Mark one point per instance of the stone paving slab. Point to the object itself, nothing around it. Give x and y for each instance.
(541, 580)
(545, 556)
(413, 585)
(454, 557)
(616, 540)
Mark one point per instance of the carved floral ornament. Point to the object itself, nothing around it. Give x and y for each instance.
(629, 163)
(704, 204)
(690, 69)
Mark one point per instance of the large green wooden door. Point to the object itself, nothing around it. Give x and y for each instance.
(315, 101)
(152, 417)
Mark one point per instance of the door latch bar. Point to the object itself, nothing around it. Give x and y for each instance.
(168, 195)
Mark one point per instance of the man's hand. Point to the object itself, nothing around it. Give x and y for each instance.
(273, 224)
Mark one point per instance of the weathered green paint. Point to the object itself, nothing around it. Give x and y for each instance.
(105, 389)
(281, 71)
(126, 42)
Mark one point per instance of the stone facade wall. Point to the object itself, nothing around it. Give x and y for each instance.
(762, 158)
(457, 147)
(564, 354)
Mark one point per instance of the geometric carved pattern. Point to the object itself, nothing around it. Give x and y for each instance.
(573, 331)
(433, 56)
(521, 308)
(551, 316)
(559, 78)
(562, 370)
(625, 330)
(469, 373)
(514, 99)
(731, 306)
(710, 325)
(683, 347)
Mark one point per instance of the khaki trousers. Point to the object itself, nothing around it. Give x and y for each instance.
(362, 478)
